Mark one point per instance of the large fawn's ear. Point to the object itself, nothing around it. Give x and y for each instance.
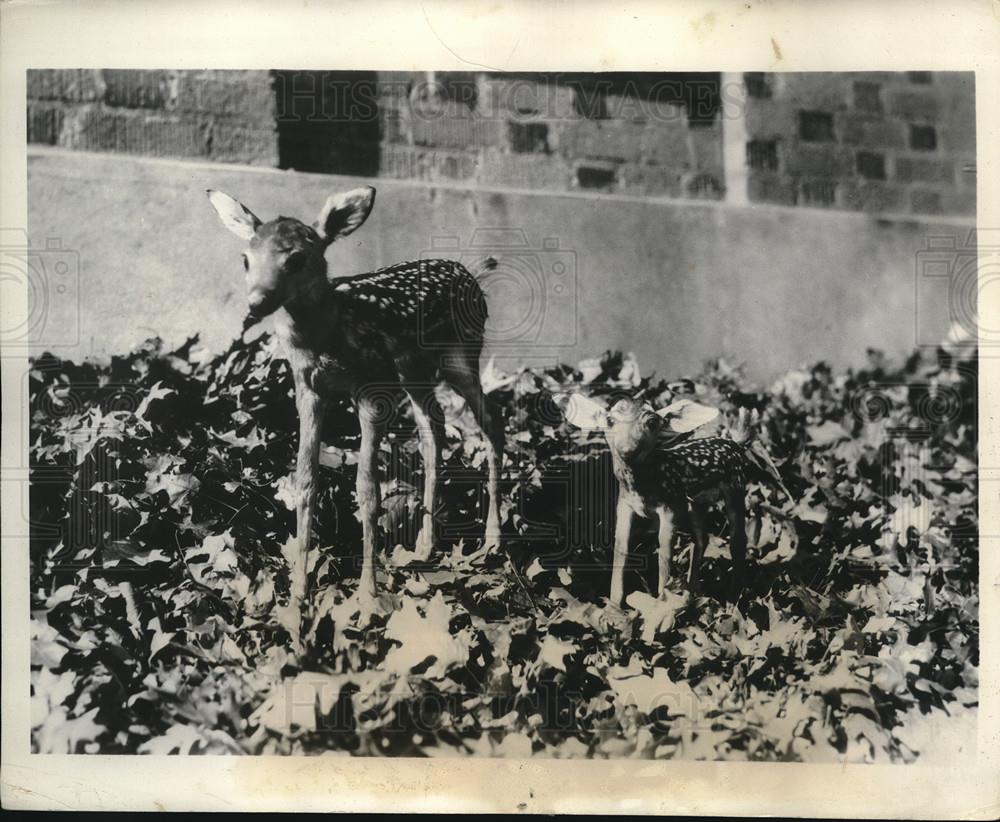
(344, 213)
(234, 215)
(582, 411)
(685, 415)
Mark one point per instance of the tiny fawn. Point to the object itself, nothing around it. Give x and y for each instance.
(660, 480)
(413, 324)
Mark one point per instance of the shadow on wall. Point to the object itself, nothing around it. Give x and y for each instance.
(327, 121)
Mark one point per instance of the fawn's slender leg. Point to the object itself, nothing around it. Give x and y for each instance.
(430, 426)
(736, 512)
(623, 526)
(373, 423)
(666, 547)
(464, 378)
(698, 516)
(310, 406)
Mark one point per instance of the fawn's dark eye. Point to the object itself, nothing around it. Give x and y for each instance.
(246, 263)
(295, 260)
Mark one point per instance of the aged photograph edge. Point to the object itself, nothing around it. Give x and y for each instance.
(453, 36)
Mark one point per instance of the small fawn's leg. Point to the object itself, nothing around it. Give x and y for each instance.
(464, 378)
(698, 517)
(372, 425)
(310, 407)
(131, 611)
(430, 426)
(666, 547)
(623, 526)
(736, 513)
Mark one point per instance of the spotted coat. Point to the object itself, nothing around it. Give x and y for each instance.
(693, 470)
(394, 321)
(439, 299)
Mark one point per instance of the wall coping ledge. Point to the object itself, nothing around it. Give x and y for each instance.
(42, 151)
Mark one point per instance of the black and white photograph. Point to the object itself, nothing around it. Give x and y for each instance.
(499, 414)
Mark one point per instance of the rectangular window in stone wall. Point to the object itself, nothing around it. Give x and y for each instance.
(923, 138)
(601, 96)
(457, 86)
(758, 84)
(705, 186)
(871, 166)
(528, 138)
(762, 155)
(597, 174)
(819, 193)
(816, 126)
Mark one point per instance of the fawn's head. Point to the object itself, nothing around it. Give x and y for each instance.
(631, 427)
(284, 257)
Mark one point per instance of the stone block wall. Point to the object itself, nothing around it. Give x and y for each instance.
(873, 142)
(881, 143)
(228, 116)
(636, 134)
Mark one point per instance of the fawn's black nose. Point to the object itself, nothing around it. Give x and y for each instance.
(645, 417)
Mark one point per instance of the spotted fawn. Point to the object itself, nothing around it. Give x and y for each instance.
(414, 324)
(663, 480)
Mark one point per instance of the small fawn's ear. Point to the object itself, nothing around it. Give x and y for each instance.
(344, 213)
(582, 411)
(742, 427)
(234, 215)
(685, 415)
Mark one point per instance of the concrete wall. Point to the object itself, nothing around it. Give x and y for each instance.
(674, 282)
